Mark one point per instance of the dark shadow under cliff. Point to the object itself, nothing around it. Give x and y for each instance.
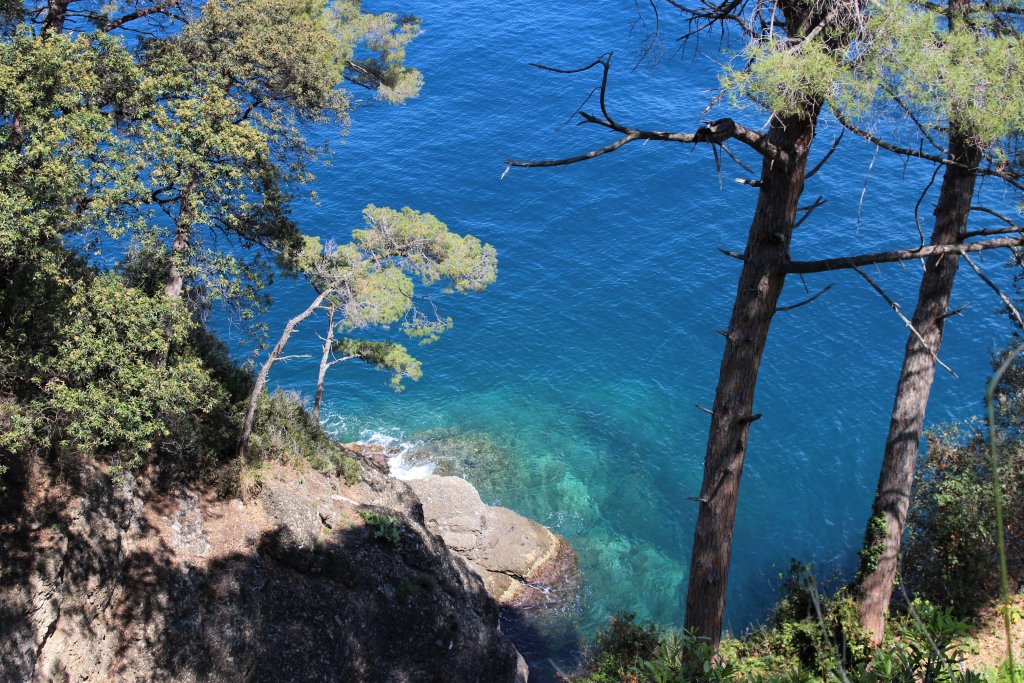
(91, 586)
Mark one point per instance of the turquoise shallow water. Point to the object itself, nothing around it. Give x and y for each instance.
(569, 387)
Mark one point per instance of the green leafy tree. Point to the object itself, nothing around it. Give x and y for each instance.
(369, 283)
(224, 140)
(173, 130)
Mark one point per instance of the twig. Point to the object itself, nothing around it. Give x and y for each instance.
(899, 255)
(804, 302)
(828, 154)
(917, 206)
(1005, 299)
(864, 190)
(955, 311)
(991, 212)
(736, 159)
(808, 210)
(906, 321)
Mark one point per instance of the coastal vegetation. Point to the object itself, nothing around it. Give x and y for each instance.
(147, 185)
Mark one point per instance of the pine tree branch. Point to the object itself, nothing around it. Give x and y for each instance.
(898, 255)
(906, 321)
(1005, 299)
(714, 132)
(158, 8)
(1003, 174)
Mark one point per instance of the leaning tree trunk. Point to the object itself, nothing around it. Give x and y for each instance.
(325, 363)
(261, 378)
(884, 534)
(757, 294)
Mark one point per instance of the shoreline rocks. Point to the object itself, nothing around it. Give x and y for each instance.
(522, 563)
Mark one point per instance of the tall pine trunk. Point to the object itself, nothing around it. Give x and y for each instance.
(757, 294)
(882, 541)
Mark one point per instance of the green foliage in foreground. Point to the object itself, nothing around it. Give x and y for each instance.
(926, 645)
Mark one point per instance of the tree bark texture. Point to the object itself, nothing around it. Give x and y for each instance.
(261, 378)
(882, 541)
(179, 248)
(56, 14)
(757, 294)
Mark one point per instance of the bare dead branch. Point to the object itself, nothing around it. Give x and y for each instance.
(955, 311)
(864, 190)
(992, 212)
(749, 181)
(1001, 173)
(572, 160)
(736, 159)
(828, 154)
(909, 112)
(703, 409)
(714, 132)
(906, 321)
(899, 255)
(158, 8)
(734, 254)
(917, 206)
(804, 302)
(994, 231)
(1005, 299)
(808, 210)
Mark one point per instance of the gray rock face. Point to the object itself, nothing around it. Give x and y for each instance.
(518, 559)
(99, 581)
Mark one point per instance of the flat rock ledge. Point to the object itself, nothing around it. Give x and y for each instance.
(522, 563)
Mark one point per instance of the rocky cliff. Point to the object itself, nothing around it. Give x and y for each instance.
(104, 578)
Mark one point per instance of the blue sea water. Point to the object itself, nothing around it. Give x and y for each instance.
(568, 389)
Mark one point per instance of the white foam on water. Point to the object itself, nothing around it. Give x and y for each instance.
(397, 465)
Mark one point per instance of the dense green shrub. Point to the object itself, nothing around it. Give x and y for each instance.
(626, 651)
(811, 637)
(950, 554)
(112, 375)
(284, 430)
(619, 648)
(810, 634)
